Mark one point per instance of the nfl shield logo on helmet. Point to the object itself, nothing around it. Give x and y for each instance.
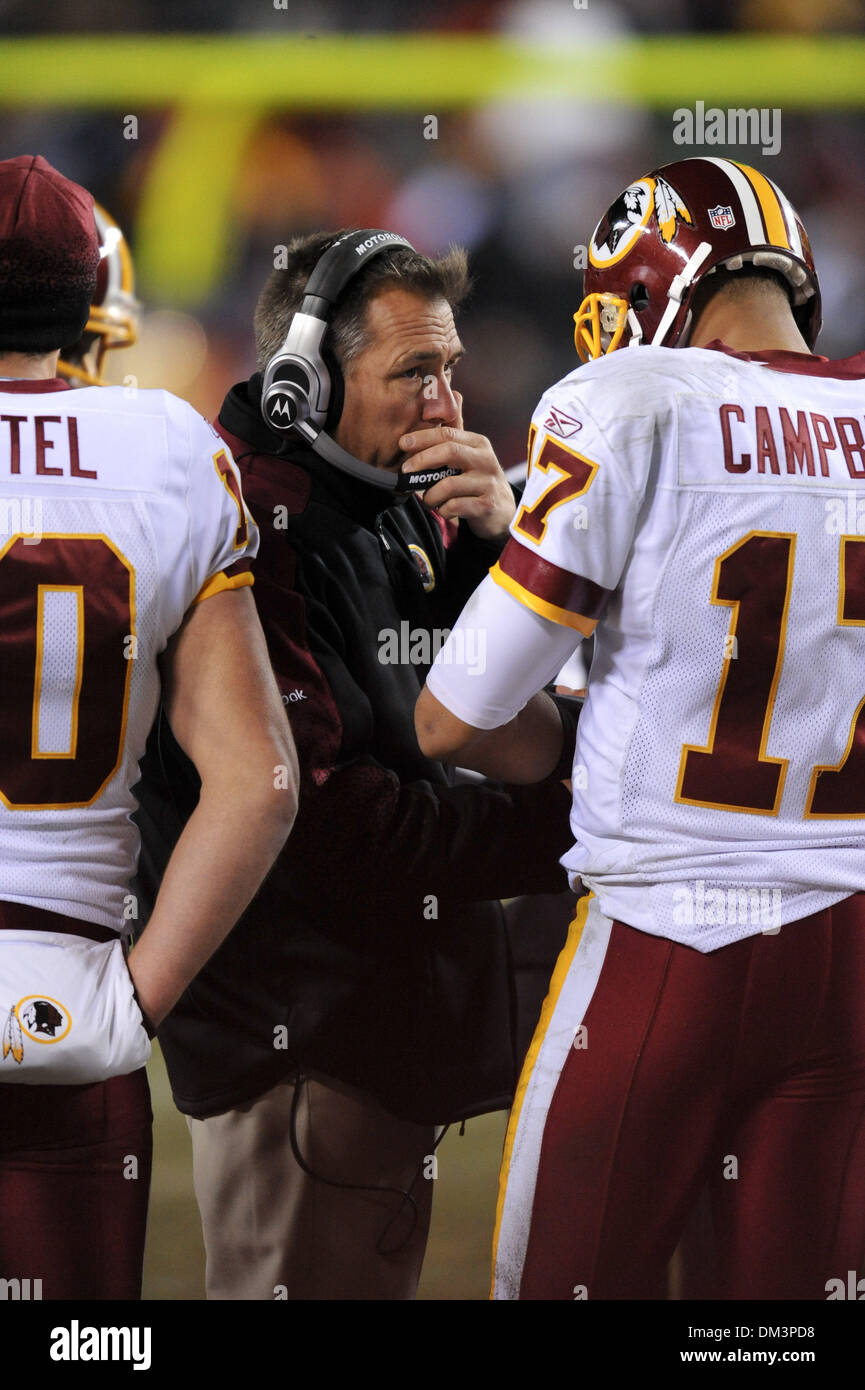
(721, 217)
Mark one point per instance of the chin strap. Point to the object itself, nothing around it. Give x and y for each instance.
(678, 285)
(636, 331)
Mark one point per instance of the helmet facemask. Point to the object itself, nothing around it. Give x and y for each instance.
(599, 325)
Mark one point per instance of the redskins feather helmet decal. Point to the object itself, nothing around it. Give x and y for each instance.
(669, 230)
(668, 209)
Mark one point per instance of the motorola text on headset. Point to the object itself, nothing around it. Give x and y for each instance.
(303, 382)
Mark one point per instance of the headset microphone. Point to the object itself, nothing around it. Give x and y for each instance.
(302, 390)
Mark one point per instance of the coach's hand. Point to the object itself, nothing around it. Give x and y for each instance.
(479, 494)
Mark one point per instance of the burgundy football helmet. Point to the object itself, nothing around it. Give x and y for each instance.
(113, 320)
(671, 229)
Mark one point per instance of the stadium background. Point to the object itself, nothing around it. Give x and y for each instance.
(213, 130)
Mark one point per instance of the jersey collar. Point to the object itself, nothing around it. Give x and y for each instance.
(801, 363)
(26, 386)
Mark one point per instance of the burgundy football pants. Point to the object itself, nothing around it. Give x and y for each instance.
(74, 1181)
(744, 1069)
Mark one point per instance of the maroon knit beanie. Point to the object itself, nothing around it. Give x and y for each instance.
(49, 255)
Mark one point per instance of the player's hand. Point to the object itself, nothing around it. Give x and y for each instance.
(479, 494)
(151, 1017)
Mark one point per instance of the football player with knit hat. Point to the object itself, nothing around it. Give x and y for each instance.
(125, 572)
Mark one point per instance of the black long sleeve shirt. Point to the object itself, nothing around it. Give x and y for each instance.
(376, 951)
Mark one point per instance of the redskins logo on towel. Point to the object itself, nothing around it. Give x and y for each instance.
(41, 1019)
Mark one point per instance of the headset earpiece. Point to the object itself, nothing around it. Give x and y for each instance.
(289, 396)
(297, 382)
(303, 386)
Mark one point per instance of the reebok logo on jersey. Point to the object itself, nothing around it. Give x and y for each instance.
(562, 424)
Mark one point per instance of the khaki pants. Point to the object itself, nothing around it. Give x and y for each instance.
(273, 1231)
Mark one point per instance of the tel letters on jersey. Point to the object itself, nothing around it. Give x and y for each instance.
(116, 516)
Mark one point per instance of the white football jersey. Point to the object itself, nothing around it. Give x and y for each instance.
(116, 514)
(709, 512)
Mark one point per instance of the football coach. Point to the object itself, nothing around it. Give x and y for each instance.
(367, 995)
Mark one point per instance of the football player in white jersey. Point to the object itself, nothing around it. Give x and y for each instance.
(124, 570)
(702, 511)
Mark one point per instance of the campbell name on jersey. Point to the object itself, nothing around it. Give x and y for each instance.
(708, 512)
(117, 515)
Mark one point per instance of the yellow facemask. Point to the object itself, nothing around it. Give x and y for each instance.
(599, 325)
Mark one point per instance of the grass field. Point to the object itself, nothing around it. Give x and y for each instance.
(457, 1265)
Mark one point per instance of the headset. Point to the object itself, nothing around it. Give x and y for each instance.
(303, 387)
